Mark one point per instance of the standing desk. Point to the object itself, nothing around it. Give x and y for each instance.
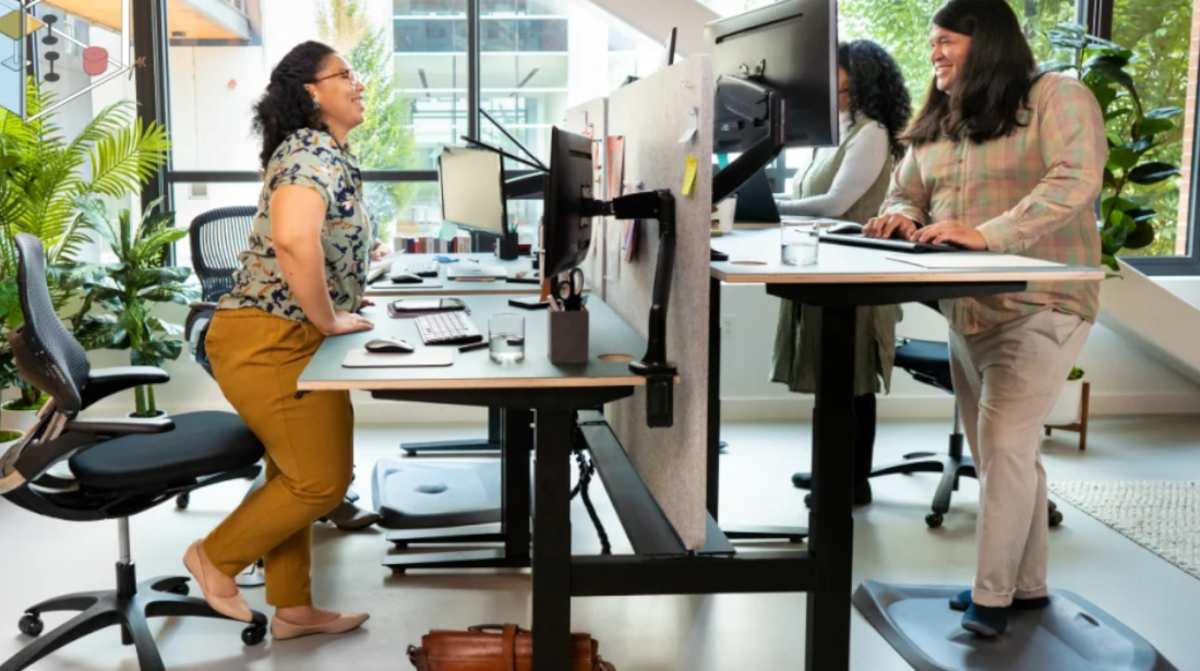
(843, 279)
(554, 393)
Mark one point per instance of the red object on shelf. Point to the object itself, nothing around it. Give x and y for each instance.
(95, 60)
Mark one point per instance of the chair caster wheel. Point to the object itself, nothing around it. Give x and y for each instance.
(399, 571)
(934, 520)
(254, 634)
(183, 501)
(1056, 518)
(31, 625)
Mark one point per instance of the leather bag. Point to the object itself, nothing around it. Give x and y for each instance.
(493, 647)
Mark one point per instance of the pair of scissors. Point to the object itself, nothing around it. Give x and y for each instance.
(570, 290)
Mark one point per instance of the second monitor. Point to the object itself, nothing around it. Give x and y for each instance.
(472, 189)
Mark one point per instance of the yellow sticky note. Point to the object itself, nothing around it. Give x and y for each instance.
(689, 177)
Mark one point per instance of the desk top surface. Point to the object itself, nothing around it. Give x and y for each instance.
(523, 264)
(754, 258)
(608, 335)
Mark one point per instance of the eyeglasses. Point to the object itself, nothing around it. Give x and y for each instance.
(347, 74)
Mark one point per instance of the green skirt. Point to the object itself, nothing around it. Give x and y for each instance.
(795, 355)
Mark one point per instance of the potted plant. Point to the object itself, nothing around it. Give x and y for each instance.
(1070, 411)
(1134, 138)
(129, 289)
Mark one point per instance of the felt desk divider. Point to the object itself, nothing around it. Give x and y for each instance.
(652, 115)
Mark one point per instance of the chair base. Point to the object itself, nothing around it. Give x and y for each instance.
(129, 606)
(952, 466)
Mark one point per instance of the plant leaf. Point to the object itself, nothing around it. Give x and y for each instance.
(1152, 173)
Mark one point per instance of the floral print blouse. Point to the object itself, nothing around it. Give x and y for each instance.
(313, 159)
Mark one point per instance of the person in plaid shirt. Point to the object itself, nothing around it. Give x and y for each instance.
(1006, 160)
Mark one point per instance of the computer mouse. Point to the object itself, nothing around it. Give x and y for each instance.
(846, 227)
(389, 346)
(407, 278)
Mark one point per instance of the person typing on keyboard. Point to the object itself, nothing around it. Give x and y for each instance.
(1004, 159)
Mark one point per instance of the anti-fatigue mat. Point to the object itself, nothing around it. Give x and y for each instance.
(1071, 634)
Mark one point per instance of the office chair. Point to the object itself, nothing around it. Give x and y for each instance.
(217, 238)
(928, 362)
(117, 468)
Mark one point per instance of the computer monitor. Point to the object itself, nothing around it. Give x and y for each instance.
(780, 57)
(567, 222)
(472, 189)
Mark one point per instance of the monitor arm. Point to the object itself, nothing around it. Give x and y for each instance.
(750, 101)
(660, 374)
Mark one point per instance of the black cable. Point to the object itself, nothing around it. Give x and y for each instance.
(586, 471)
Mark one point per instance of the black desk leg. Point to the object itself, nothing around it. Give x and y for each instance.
(831, 523)
(552, 541)
(790, 534)
(714, 396)
(492, 444)
(515, 486)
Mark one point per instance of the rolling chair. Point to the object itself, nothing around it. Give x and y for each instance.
(928, 362)
(117, 468)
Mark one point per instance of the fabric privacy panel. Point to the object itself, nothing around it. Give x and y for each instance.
(666, 123)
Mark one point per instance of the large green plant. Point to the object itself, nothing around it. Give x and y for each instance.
(1134, 134)
(384, 140)
(43, 177)
(129, 289)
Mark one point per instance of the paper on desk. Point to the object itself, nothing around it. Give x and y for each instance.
(693, 125)
(982, 260)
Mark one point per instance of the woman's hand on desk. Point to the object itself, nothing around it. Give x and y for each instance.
(380, 250)
(344, 322)
(890, 226)
(952, 233)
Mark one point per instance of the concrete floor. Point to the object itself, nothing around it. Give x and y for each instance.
(44, 558)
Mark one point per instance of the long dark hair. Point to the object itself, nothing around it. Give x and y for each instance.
(287, 107)
(876, 88)
(994, 83)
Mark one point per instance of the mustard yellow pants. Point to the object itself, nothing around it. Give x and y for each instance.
(257, 359)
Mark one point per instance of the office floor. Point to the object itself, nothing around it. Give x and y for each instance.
(43, 558)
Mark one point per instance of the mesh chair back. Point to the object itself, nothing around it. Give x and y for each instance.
(217, 237)
(47, 355)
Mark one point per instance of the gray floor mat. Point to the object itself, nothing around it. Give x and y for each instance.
(1071, 634)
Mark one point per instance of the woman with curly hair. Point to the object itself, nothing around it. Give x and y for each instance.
(301, 280)
(850, 182)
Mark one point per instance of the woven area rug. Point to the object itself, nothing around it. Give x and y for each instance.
(1163, 516)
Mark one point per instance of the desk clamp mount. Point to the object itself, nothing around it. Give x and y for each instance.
(660, 373)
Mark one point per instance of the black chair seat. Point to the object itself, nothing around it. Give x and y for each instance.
(927, 360)
(202, 444)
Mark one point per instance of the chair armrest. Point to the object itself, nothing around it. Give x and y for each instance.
(105, 382)
(202, 306)
(121, 427)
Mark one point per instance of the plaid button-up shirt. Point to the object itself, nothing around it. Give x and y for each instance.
(1032, 193)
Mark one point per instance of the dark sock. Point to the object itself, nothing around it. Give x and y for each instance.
(962, 601)
(985, 621)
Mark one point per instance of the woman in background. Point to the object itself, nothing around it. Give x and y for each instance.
(849, 182)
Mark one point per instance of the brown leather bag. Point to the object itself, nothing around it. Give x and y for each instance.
(493, 647)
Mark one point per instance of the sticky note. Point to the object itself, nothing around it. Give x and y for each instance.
(689, 177)
(449, 230)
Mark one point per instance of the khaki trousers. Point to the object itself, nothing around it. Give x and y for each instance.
(257, 359)
(1006, 380)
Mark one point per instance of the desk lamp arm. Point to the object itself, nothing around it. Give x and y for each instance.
(660, 385)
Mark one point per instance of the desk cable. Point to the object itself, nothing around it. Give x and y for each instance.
(586, 470)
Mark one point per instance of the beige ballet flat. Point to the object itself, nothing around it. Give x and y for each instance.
(282, 630)
(233, 607)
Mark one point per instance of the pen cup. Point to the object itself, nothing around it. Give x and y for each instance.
(568, 337)
(506, 337)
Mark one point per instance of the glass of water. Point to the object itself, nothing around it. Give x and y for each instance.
(798, 240)
(506, 337)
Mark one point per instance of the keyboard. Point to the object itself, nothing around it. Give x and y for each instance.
(448, 328)
(421, 268)
(887, 243)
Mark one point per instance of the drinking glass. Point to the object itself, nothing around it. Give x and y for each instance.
(506, 337)
(798, 242)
